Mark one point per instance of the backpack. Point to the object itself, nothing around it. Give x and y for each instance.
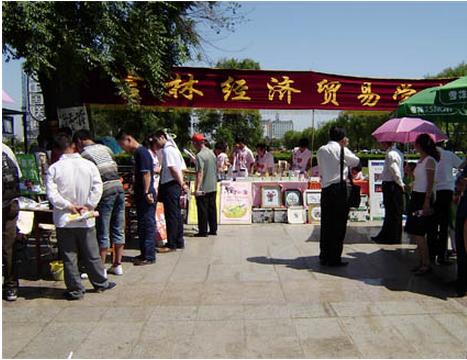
(10, 180)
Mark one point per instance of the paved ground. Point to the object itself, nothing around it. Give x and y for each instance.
(253, 291)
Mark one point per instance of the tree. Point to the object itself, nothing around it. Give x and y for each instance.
(451, 72)
(64, 42)
(225, 125)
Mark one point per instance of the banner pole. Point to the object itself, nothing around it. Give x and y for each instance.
(312, 135)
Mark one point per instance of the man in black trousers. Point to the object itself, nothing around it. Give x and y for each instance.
(205, 187)
(171, 188)
(334, 161)
(393, 196)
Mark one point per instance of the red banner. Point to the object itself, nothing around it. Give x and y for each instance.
(260, 89)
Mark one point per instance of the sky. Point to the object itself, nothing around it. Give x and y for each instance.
(374, 39)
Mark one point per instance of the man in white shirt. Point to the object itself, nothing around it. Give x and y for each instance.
(170, 189)
(437, 237)
(74, 186)
(334, 161)
(393, 196)
(243, 158)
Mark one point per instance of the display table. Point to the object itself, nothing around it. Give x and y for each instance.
(41, 216)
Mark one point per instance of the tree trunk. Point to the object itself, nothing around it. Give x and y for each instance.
(57, 94)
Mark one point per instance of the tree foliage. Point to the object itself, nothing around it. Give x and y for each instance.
(225, 125)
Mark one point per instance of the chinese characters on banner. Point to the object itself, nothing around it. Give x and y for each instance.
(259, 89)
(75, 118)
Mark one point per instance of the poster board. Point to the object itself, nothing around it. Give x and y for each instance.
(236, 202)
(375, 170)
(76, 118)
(30, 181)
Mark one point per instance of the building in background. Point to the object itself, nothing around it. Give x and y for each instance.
(276, 129)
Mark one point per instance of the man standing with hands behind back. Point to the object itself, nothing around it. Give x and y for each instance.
(393, 196)
(170, 190)
(205, 187)
(334, 161)
(144, 196)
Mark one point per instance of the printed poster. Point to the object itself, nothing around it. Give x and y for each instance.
(76, 118)
(236, 202)
(375, 170)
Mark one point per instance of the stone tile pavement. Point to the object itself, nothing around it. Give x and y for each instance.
(252, 292)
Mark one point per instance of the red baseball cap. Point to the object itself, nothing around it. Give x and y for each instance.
(198, 138)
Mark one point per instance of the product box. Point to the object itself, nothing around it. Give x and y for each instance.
(296, 215)
(359, 215)
(262, 216)
(280, 215)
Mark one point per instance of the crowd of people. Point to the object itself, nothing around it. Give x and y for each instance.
(88, 199)
(433, 192)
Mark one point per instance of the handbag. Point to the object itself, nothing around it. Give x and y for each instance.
(352, 191)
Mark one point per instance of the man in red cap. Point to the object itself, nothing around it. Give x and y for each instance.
(205, 187)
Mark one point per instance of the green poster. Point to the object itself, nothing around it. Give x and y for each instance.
(29, 169)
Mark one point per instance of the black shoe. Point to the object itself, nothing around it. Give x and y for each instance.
(139, 257)
(323, 262)
(110, 286)
(181, 247)
(70, 297)
(11, 294)
(200, 235)
(338, 264)
(213, 233)
(144, 262)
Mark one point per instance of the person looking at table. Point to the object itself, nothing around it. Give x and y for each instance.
(264, 163)
(421, 200)
(205, 187)
(144, 197)
(243, 158)
(74, 187)
(393, 195)
(301, 156)
(11, 173)
(111, 207)
(437, 236)
(171, 187)
(334, 161)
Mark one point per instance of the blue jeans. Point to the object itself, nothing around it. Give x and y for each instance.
(111, 220)
(146, 228)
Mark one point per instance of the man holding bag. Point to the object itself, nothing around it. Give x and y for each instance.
(334, 161)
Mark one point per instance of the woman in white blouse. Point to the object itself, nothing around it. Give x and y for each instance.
(421, 202)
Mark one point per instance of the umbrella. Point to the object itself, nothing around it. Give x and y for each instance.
(453, 93)
(423, 105)
(405, 130)
(6, 98)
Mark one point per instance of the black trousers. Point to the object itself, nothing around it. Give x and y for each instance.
(460, 245)
(393, 200)
(169, 195)
(9, 219)
(334, 215)
(437, 235)
(207, 213)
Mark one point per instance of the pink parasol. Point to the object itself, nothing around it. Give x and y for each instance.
(6, 98)
(406, 130)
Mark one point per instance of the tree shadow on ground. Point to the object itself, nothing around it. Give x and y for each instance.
(388, 267)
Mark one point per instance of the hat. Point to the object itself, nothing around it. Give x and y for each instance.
(198, 138)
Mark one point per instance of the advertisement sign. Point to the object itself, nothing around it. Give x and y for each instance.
(76, 118)
(236, 202)
(375, 170)
(261, 89)
(193, 209)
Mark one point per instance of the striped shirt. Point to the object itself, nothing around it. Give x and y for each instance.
(101, 155)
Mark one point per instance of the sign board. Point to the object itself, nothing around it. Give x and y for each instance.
(76, 118)
(375, 170)
(236, 202)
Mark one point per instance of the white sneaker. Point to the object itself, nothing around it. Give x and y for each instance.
(105, 273)
(116, 270)
(84, 276)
